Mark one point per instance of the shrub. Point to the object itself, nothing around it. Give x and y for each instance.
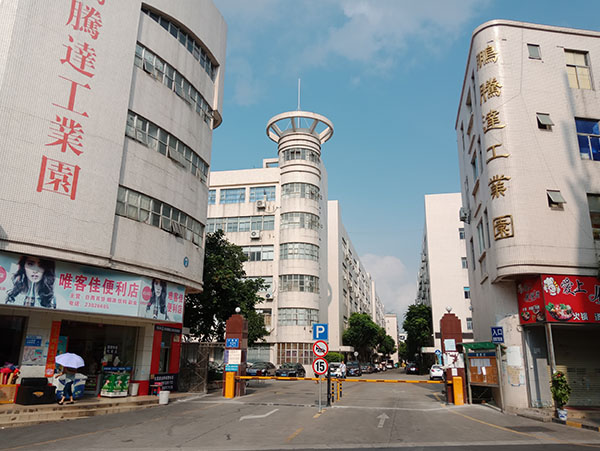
(559, 386)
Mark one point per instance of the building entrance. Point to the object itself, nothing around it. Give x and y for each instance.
(11, 338)
(102, 346)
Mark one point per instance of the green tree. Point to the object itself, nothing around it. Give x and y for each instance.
(363, 334)
(334, 357)
(402, 351)
(386, 346)
(224, 289)
(418, 326)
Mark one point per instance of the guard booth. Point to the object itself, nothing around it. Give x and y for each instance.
(483, 381)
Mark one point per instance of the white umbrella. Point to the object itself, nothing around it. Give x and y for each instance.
(69, 360)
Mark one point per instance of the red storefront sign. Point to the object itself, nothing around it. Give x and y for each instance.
(556, 298)
(52, 349)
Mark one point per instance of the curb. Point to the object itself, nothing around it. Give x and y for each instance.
(576, 424)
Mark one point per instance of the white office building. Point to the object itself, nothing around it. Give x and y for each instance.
(391, 328)
(529, 152)
(294, 239)
(443, 279)
(107, 111)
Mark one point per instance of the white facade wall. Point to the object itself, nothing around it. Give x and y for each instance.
(42, 85)
(391, 328)
(546, 240)
(444, 277)
(338, 267)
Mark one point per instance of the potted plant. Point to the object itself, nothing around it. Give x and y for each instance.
(559, 386)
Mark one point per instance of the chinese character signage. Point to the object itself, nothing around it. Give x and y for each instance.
(30, 281)
(566, 299)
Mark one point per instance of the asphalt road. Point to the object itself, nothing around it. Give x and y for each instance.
(283, 415)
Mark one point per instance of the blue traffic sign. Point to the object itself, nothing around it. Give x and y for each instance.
(232, 343)
(232, 367)
(497, 334)
(438, 352)
(320, 332)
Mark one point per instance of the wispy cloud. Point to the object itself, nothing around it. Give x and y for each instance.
(284, 38)
(393, 283)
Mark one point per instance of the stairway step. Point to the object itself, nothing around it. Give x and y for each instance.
(51, 415)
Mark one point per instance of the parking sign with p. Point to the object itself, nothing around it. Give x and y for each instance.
(320, 332)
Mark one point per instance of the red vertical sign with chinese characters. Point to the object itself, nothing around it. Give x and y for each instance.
(52, 348)
(67, 127)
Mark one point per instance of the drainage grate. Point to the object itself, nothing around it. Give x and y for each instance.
(529, 428)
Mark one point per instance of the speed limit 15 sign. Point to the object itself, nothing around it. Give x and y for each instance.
(320, 366)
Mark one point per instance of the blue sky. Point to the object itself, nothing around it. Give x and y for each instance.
(388, 74)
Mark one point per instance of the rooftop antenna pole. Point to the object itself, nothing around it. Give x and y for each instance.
(298, 94)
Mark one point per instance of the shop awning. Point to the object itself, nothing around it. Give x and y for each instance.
(479, 345)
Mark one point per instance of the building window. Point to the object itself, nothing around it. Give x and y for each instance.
(544, 122)
(300, 251)
(192, 45)
(233, 196)
(262, 193)
(486, 225)
(142, 208)
(154, 137)
(297, 316)
(299, 282)
(300, 153)
(294, 352)
(267, 292)
(481, 238)
(212, 196)
(303, 190)
(300, 220)
(461, 233)
(578, 70)
(588, 136)
(475, 166)
(534, 51)
(467, 292)
(594, 206)
(176, 82)
(464, 262)
(241, 224)
(258, 253)
(555, 200)
(469, 323)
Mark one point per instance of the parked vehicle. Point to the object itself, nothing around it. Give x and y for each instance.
(335, 370)
(389, 364)
(367, 368)
(412, 368)
(291, 370)
(353, 369)
(436, 372)
(261, 369)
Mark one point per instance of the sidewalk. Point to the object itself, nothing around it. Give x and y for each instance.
(579, 417)
(12, 415)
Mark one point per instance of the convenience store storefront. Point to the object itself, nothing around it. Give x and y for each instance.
(126, 327)
(560, 317)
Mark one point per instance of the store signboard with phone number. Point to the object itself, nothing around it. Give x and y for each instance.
(559, 299)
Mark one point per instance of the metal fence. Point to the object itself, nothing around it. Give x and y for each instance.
(194, 362)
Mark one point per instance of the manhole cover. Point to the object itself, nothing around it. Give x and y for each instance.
(529, 429)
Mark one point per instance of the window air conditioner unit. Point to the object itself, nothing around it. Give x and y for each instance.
(464, 215)
(255, 234)
(261, 204)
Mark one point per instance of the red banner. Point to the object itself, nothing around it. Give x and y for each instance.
(52, 348)
(556, 298)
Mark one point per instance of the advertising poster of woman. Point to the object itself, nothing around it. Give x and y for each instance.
(157, 305)
(33, 283)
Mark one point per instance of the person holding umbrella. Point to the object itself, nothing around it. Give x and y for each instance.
(70, 362)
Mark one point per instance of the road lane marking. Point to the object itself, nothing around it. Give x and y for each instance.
(253, 417)
(382, 419)
(292, 436)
